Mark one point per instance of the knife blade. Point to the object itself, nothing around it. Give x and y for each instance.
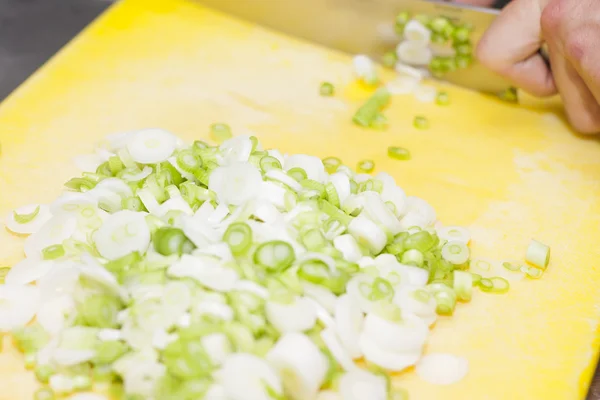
(365, 26)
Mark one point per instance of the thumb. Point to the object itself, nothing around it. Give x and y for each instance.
(510, 48)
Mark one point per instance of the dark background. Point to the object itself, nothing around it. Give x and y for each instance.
(31, 31)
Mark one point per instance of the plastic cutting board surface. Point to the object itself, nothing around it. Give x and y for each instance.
(508, 173)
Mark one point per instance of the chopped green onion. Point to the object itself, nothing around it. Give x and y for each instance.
(298, 174)
(389, 59)
(126, 158)
(26, 218)
(532, 272)
(464, 49)
(275, 256)
(485, 284)
(332, 194)
(44, 372)
(421, 295)
(511, 267)
(186, 360)
(421, 122)
(169, 241)
(100, 310)
(220, 132)
(381, 289)
(255, 144)
(104, 169)
(538, 254)
(370, 110)
(326, 89)
(439, 24)
(331, 164)
(138, 292)
(463, 62)
(398, 153)
(422, 241)
(436, 66)
(445, 298)
(31, 339)
(334, 212)
(314, 240)
(455, 252)
(448, 31)
(401, 21)
(82, 382)
(494, 285)
(115, 165)
(371, 185)
(80, 184)
(380, 122)
(366, 166)
(199, 145)
(442, 99)
(239, 237)
(44, 394)
(413, 257)
(109, 351)
(133, 204)
(53, 252)
(438, 38)
(189, 161)
(311, 184)
(30, 360)
(314, 271)
(461, 35)
(267, 163)
(463, 285)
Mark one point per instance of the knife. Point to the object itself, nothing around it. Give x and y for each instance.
(366, 27)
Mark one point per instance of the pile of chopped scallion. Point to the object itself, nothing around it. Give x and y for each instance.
(173, 271)
(428, 45)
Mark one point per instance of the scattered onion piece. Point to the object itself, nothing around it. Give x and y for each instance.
(442, 368)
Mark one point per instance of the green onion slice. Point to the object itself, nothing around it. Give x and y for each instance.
(239, 237)
(169, 241)
(26, 218)
(275, 256)
(371, 109)
(331, 164)
(267, 163)
(53, 252)
(298, 174)
(421, 122)
(189, 161)
(538, 254)
(442, 99)
(326, 89)
(463, 285)
(398, 153)
(220, 132)
(366, 166)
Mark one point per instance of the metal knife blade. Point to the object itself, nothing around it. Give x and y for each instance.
(365, 26)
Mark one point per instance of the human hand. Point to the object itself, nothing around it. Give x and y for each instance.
(571, 30)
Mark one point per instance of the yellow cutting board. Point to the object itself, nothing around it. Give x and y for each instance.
(509, 173)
